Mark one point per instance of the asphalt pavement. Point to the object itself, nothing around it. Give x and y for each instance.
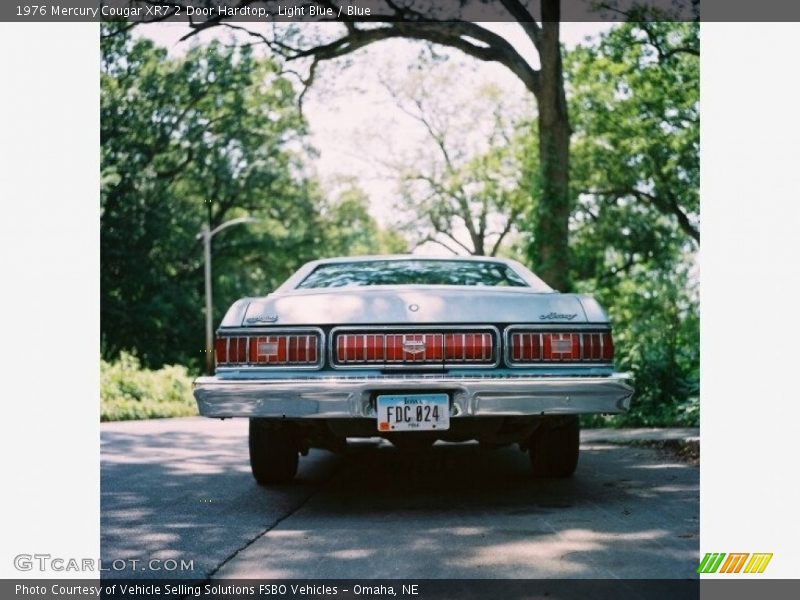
(181, 489)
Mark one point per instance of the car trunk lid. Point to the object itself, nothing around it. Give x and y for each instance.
(412, 305)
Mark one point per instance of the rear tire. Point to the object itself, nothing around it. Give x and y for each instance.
(554, 447)
(273, 453)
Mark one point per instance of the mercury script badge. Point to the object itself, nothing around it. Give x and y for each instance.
(262, 319)
(555, 315)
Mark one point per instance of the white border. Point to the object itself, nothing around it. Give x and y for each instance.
(49, 266)
(750, 284)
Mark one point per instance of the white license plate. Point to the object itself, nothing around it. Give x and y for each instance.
(413, 412)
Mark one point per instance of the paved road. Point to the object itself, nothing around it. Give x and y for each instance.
(181, 489)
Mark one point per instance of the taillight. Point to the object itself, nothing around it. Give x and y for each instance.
(559, 346)
(231, 350)
(414, 347)
(295, 349)
(468, 347)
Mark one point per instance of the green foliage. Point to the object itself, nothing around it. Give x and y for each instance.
(634, 101)
(190, 142)
(351, 231)
(659, 334)
(128, 391)
(657, 338)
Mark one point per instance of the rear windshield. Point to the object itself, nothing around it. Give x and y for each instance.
(412, 272)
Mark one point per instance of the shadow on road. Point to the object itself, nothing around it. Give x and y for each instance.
(184, 491)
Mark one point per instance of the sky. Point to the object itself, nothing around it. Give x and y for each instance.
(354, 122)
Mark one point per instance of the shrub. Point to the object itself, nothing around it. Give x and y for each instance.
(128, 391)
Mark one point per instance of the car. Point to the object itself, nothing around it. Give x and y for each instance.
(413, 349)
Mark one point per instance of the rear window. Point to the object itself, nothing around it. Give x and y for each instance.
(412, 272)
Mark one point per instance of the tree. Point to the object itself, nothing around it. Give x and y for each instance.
(189, 142)
(635, 101)
(635, 228)
(350, 230)
(461, 189)
(442, 26)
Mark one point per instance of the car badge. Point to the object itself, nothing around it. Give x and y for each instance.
(413, 346)
(262, 319)
(413, 307)
(554, 315)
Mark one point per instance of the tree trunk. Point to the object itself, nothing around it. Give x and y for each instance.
(551, 226)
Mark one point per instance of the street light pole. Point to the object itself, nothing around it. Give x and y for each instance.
(206, 235)
(209, 320)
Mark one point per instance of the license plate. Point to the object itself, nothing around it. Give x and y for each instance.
(413, 412)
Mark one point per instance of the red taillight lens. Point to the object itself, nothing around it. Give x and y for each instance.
(468, 347)
(551, 346)
(231, 350)
(221, 350)
(237, 349)
(300, 349)
(413, 348)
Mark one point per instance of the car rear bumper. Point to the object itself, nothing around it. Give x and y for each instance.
(353, 397)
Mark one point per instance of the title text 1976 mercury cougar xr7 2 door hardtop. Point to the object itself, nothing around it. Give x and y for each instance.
(413, 349)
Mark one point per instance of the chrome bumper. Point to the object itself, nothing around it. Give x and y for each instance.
(349, 397)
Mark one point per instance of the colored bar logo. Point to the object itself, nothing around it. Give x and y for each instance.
(719, 562)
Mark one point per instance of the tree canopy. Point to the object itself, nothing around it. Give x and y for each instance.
(448, 25)
(634, 99)
(191, 142)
